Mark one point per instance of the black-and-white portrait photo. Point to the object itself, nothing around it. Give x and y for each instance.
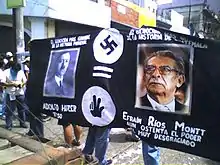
(164, 77)
(60, 76)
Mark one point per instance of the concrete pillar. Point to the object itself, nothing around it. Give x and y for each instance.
(50, 25)
(38, 28)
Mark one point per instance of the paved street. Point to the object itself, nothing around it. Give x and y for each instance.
(119, 150)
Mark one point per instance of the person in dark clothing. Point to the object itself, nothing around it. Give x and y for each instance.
(34, 115)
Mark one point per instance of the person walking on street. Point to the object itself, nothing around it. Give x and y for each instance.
(7, 61)
(97, 139)
(68, 129)
(15, 95)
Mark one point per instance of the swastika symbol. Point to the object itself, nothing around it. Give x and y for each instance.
(108, 44)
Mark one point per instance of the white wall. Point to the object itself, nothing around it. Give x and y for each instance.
(81, 11)
(177, 23)
(37, 28)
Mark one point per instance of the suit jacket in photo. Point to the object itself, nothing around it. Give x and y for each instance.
(178, 106)
(52, 89)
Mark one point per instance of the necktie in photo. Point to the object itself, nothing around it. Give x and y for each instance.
(162, 108)
(60, 83)
(167, 108)
(60, 89)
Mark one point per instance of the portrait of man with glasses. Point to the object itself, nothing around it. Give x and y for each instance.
(162, 78)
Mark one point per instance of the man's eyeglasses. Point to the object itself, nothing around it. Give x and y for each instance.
(163, 70)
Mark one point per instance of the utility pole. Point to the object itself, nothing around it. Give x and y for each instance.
(189, 19)
(18, 27)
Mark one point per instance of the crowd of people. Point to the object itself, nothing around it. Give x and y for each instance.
(13, 81)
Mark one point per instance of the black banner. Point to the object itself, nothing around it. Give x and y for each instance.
(163, 84)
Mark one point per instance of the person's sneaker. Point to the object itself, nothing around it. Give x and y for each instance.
(45, 118)
(76, 143)
(8, 128)
(30, 133)
(132, 138)
(109, 161)
(89, 158)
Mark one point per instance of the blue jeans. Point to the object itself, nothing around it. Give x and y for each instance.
(98, 139)
(10, 109)
(1, 110)
(151, 154)
(3, 105)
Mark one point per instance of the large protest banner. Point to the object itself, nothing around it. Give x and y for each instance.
(163, 84)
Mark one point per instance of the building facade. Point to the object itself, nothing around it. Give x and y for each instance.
(134, 13)
(50, 18)
(200, 16)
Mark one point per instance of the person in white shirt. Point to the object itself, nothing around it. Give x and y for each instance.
(3, 85)
(9, 60)
(26, 63)
(15, 95)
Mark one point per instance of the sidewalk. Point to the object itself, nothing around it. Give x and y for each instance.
(119, 150)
